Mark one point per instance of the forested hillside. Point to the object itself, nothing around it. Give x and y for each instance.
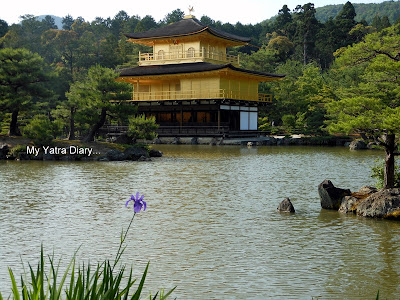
(364, 11)
(294, 43)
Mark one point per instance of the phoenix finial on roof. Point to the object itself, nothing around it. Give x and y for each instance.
(191, 10)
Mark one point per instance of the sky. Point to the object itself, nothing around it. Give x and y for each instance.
(245, 12)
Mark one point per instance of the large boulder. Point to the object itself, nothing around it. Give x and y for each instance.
(350, 203)
(134, 153)
(115, 155)
(4, 149)
(358, 145)
(382, 204)
(155, 153)
(286, 206)
(331, 196)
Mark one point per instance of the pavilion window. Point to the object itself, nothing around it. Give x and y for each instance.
(191, 52)
(160, 54)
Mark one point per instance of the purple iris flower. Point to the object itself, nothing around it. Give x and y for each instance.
(138, 203)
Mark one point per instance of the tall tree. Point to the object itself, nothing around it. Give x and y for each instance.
(3, 28)
(344, 22)
(67, 22)
(306, 29)
(146, 23)
(174, 16)
(21, 78)
(371, 107)
(94, 94)
(283, 19)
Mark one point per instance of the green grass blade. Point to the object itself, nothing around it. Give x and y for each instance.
(128, 286)
(14, 285)
(40, 273)
(61, 285)
(140, 287)
(167, 294)
(69, 291)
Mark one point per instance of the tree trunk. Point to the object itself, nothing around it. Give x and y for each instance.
(390, 147)
(96, 127)
(71, 135)
(14, 131)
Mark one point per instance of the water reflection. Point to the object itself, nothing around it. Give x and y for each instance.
(211, 227)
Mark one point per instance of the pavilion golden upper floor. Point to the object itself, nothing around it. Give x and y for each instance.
(190, 62)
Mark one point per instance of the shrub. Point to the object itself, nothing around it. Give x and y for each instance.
(14, 152)
(141, 127)
(41, 130)
(378, 172)
(289, 122)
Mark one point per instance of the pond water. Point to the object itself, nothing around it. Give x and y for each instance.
(211, 227)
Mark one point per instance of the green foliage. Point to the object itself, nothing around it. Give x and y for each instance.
(21, 80)
(371, 101)
(262, 60)
(85, 282)
(141, 127)
(289, 121)
(370, 104)
(364, 11)
(14, 152)
(264, 124)
(78, 282)
(42, 131)
(174, 16)
(378, 173)
(99, 96)
(3, 28)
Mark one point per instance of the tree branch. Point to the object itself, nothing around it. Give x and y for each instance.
(396, 58)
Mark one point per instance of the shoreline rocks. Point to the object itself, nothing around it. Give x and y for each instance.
(4, 149)
(358, 145)
(133, 153)
(367, 202)
(382, 204)
(255, 141)
(331, 196)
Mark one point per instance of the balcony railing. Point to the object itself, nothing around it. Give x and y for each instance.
(200, 94)
(171, 57)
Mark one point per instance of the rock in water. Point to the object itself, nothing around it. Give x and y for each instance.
(286, 206)
(382, 204)
(358, 145)
(4, 149)
(349, 203)
(134, 153)
(115, 155)
(331, 196)
(155, 153)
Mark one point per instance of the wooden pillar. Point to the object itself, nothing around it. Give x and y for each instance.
(219, 119)
(181, 125)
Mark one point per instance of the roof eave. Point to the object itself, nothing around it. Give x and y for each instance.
(149, 40)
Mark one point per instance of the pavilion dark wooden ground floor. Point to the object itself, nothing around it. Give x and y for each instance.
(198, 118)
(219, 117)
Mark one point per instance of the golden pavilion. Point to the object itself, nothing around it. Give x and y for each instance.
(191, 85)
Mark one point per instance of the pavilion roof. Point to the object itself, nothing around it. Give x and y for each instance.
(170, 69)
(185, 27)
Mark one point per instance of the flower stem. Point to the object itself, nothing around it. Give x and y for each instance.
(119, 252)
